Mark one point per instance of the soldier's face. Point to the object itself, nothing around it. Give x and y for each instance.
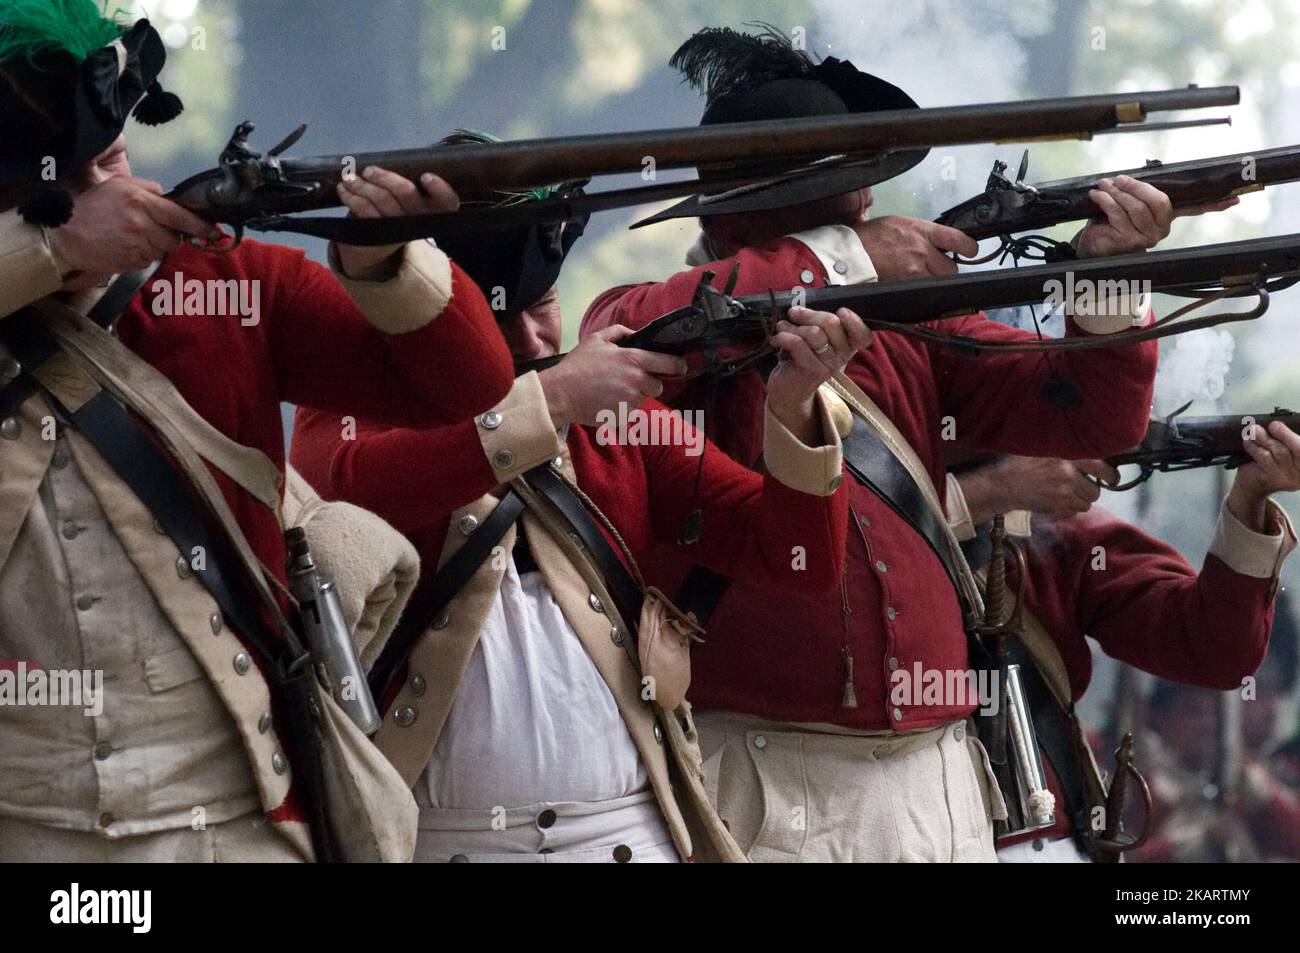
(730, 233)
(110, 163)
(536, 331)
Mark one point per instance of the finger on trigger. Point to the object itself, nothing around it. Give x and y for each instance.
(947, 238)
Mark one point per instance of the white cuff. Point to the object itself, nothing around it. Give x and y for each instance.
(517, 434)
(840, 251)
(958, 513)
(816, 471)
(1250, 553)
(27, 263)
(1112, 313)
(408, 300)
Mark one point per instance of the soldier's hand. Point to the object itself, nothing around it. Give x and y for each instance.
(1275, 468)
(378, 193)
(902, 247)
(814, 345)
(1044, 485)
(1135, 215)
(599, 375)
(121, 224)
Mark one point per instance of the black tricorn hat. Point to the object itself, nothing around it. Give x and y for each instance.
(747, 78)
(64, 103)
(517, 263)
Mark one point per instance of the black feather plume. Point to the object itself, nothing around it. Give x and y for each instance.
(721, 62)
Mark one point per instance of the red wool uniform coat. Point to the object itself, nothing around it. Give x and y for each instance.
(416, 478)
(1149, 607)
(312, 346)
(783, 658)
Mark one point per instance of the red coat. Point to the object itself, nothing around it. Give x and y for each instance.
(1148, 607)
(781, 657)
(415, 479)
(312, 347)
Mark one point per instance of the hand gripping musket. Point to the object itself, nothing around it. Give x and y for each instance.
(732, 333)
(1007, 732)
(1186, 443)
(249, 190)
(1008, 207)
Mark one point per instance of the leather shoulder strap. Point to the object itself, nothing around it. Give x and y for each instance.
(432, 597)
(617, 578)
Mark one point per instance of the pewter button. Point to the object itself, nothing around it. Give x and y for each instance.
(659, 733)
(103, 750)
(10, 428)
(468, 524)
(404, 716)
(70, 529)
(85, 602)
(616, 635)
(458, 859)
(760, 742)
(443, 618)
(264, 723)
(622, 854)
(892, 613)
(806, 276)
(243, 663)
(9, 368)
(491, 420)
(418, 685)
(504, 459)
(959, 733)
(898, 714)
(158, 528)
(183, 567)
(214, 621)
(594, 601)
(893, 664)
(841, 268)
(880, 565)
(558, 463)
(279, 763)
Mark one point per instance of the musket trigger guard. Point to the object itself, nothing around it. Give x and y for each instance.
(222, 247)
(1144, 474)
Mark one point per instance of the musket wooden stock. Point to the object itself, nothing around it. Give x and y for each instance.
(247, 186)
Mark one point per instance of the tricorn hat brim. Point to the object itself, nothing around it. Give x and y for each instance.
(796, 188)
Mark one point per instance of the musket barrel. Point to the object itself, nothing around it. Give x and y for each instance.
(538, 162)
(915, 300)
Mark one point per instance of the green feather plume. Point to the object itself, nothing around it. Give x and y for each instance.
(463, 137)
(77, 27)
